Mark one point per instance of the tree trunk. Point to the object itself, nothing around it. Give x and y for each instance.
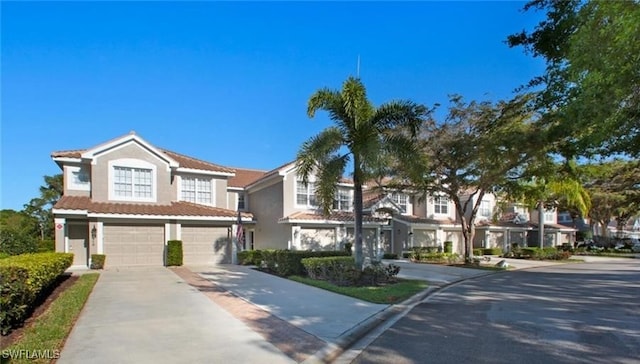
(357, 206)
(541, 224)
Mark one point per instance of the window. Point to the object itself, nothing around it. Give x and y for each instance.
(484, 209)
(441, 205)
(401, 200)
(306, 194)
(241, 203)
(196, 190)
(549, 216)
(134, 183)
(343, 200)
(78, 178)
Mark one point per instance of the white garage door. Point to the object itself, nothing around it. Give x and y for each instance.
(205, 245)
(317, 239)
(130, 245)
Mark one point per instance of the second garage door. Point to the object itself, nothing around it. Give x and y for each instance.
(131, 245)
(205, 245)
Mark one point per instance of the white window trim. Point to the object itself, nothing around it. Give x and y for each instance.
(350, 202)
(213, 189)
(133, 163)
(447, 204)
(244, 200)
(295, 195)
(488, 208)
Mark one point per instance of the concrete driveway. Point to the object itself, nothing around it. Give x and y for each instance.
(150, 315)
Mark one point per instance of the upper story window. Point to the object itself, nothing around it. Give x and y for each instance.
(484, 209)
(196, 190)
(78, 178)
(343, 200)
(306, 194)
(549, 216)
(401, 200)
(241, 201)
(441, 205)
(132, 180)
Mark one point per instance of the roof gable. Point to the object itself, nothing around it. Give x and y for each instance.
(131, 138)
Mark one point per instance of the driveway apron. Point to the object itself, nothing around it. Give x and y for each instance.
(150, 315)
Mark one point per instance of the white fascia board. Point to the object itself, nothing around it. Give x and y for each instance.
(90, 154)
(324, 222)
(69, 212)
(239, 189)
(202, 171)
(156, 217)
(67, 160)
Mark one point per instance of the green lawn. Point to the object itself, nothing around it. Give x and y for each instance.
(49, 331)
(391, 293)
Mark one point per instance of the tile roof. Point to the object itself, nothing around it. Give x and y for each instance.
(423, 220)
(193, 163)
(245, 177)
(183, 160)
(340, 216)
(177, 208)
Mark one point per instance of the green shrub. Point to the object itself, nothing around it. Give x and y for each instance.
(491, 251)
(348, 247)
(23, 278)
(340, 271)
(390, 256)
(478, 251)
(47, 245)
(377, 273)
(250, 257)
(442, 258)
(406, 255)
(97, 261)
(448, 247)
(287, 262)
(14, 297)
(15, 244)
(4, 255)
(174, 253)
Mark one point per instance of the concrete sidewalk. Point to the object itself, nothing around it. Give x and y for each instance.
(150, 315)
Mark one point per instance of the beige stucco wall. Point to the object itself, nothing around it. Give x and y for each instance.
(69, 190)
(266, 205)
(165, 192)
(289, 194)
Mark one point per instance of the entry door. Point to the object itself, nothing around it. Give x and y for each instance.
(79, 243)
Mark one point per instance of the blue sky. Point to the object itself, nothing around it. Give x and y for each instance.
(228, 82)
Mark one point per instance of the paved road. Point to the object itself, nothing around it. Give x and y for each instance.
(571, 313)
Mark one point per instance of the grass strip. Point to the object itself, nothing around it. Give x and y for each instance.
(389, 293)
(43, 340)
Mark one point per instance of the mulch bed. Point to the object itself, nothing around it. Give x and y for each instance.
(41, 305)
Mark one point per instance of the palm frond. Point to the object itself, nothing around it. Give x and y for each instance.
(329, 173)
(405, 115)
(317, 149)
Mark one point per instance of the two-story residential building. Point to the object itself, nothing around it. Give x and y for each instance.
(126, 198)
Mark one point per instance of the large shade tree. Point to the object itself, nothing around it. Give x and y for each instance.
(360, 133)
(40, 207)
(481, 148)
(591, 87)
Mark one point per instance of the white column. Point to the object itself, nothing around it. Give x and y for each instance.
(100, 236)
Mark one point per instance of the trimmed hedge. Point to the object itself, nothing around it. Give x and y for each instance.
(338, 270)
(492, 251)
(478, 251)
(22, 279)
(97, 261)
(14, 297)
(174, 253)
(287, 262)
(390, 256)
(47, 245)
(249, 257)
(448, 247)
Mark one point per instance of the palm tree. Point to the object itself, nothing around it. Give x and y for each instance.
(360, 133)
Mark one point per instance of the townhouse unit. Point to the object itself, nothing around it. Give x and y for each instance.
(126, 198)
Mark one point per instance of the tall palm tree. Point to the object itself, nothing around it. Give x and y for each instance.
(361, 131)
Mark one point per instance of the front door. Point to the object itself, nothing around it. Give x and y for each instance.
(79, 243)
